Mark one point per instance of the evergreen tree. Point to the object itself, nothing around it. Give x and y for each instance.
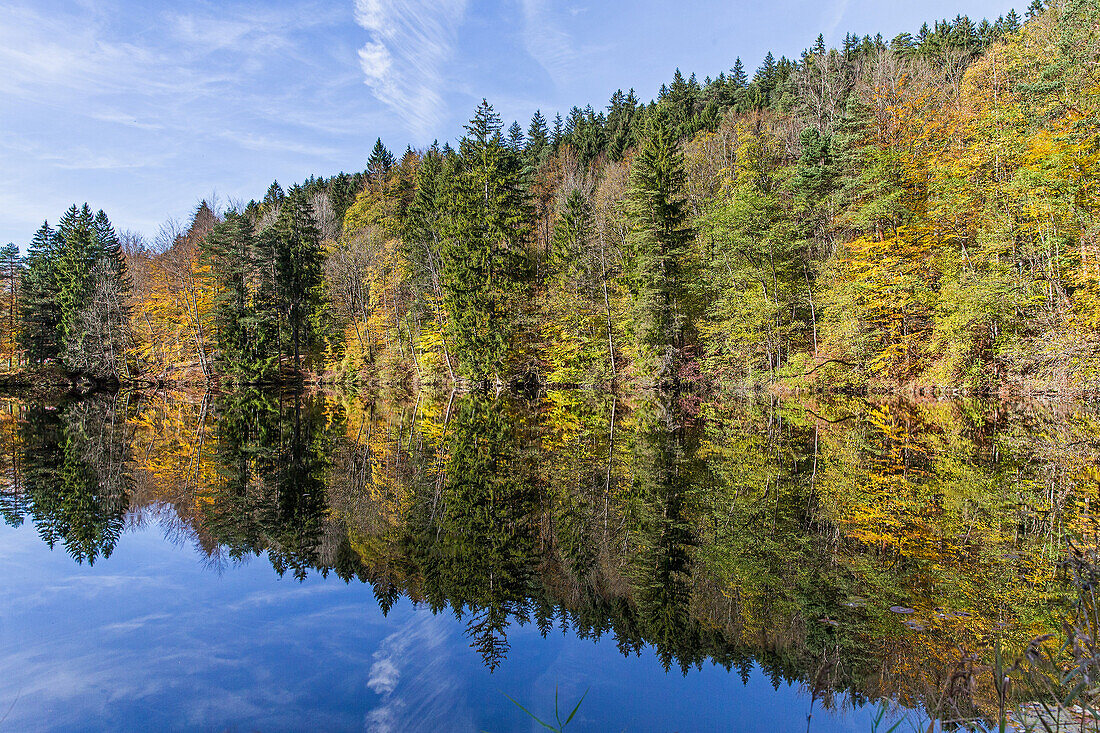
(381, 162)
(342, 190)
(538, 140)
(661, 236)
(97, 344)
(76, 256)
(767, 78)
(483, 253)
(558, 134)
(273, 199)
(621, 114)
(240, 336)
(738, 78)
(516, 141)
(573, 232)
(39, 311)
(11, 268)
(296, 259)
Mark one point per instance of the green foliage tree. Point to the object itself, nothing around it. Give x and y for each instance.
(661, 236)
(538, 140)
(297, 286)
(380, 163)
(11, 272)
(242, 333)
(101, 334)
(483, 257)
(39, 310)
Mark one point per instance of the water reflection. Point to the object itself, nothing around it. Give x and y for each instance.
(767, 533)
(69, 473)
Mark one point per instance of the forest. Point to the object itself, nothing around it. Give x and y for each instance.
(918, 212)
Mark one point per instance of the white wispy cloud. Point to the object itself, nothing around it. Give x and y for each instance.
(548, 42)
(403, 60)
(383, 676)
(413, 677)
(550, 39)
(833, 16)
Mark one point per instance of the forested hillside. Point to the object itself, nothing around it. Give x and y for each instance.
(914, 212)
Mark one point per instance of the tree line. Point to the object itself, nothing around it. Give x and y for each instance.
(913, 212)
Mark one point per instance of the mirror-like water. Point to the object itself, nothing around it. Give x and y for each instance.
(271, 561)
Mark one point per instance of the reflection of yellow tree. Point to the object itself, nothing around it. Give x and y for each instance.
(11, 489)
(174, 454)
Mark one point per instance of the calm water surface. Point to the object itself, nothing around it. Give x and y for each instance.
(270, 562)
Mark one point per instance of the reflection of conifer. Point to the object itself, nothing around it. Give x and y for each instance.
(487, 629)
(744, 668)
(76, 475)
(387, 594)
(273, 462)
(770, 666)
(662, 482)
(544, 615)
(477, 550)
(346, 562)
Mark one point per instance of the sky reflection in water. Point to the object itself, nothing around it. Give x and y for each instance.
(151, 639)
(224, 562)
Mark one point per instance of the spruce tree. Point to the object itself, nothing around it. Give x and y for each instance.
(380, 163)
(516, 140)
(237, 331)
(621, 112)
(572, 234)
(298, 281)
(661, 236)
(272, 199)
(39, 312)
(558, 133)
(76, 255)
(738, 78)
(97, 346)
(538, 140)
(11, 268)
(483, 252)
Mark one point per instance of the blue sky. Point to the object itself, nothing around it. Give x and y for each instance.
(143, 107)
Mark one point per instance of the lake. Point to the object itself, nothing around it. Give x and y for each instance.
(277, 561)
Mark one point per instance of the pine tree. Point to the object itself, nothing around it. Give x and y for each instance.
(574, 121)
(766, 77)
(11, 270)
(39, 311)
(483, 256)
(573, 232)
(661, 237)
(738, 78)
(294, 244)
(76, 255)
(621, 114)
(273, 199)
(516, 141)
(97, 346)
(380, 163)
(538, 140)
(240, 349)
